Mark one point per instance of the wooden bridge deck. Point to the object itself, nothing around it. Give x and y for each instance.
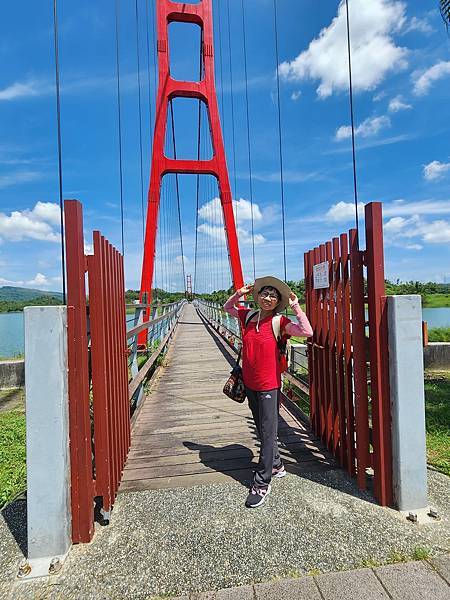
(189, 433)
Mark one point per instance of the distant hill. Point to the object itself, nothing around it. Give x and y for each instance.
(18, 294)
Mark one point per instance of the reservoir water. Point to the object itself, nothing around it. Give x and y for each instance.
(12, 337)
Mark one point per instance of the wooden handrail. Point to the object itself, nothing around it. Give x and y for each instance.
(135, 330)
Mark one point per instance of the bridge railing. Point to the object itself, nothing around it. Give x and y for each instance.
(142, 361)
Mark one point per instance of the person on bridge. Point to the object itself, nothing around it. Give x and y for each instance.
(261, 369)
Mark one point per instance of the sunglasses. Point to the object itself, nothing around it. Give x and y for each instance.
(268, 295)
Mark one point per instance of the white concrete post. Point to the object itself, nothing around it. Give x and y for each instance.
(407, 403)
(47, 422)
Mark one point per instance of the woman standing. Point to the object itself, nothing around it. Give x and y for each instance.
(261, 369)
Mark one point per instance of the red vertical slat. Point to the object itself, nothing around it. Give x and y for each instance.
(310, 347)
(119, 361)
(325, 357)
(99, 374)
(116, 439)
(110, 359)
(82, 488)
(348, 353)
(378, 347)
(339, 423)
(124, 354)
(359, 359)
(332, 410)
(319, 356)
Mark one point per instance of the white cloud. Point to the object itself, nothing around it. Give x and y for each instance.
(374, 52)
(179, 259)
(296, 95)
(218, 233)
(39, 281)
(18, 177)
(343, 211)
(420, 25)
(414, 247)
(212, 211)
(23, 90)
(423, 83)
(35, 224)
(369, 127)
(435, 170)
(245, 237)
(397, 104)
(437, 232)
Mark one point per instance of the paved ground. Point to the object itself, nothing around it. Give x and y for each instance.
(181, 541)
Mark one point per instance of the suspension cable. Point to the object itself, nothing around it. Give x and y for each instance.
(178, 193)
(280, 139)
(221, 70)
(140, 114)
(248, 137)
(119, 121)
(232, 113)
(148, 75)
(58, 123)
(355, 186)
(198, 158)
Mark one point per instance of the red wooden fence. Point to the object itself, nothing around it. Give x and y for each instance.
(348, 371)
(99, 444)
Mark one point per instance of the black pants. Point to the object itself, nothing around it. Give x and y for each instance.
(264, 407)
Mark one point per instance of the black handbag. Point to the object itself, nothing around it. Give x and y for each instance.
(234, 387)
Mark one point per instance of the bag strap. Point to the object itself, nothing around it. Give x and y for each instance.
(276, 327)
(249, 316)
(239, 356)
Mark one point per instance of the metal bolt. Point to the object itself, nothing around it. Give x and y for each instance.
(24, 569)
(412, 517)
(55, 566)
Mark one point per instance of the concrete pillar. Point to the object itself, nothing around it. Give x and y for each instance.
(407, 403)
(47, 421)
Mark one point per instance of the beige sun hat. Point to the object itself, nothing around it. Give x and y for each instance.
(276, 283)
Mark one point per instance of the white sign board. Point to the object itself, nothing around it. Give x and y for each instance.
(320, 273)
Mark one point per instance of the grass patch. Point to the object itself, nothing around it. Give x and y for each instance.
(421, 553)
(12, 455)
(435, 300)
(437, 414)
(439, 334)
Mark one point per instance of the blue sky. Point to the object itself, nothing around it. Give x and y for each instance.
(401, 70)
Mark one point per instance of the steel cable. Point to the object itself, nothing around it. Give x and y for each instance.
(119, 122)
(58, 124)
(355, 186)
(248, 137)
(280, 139)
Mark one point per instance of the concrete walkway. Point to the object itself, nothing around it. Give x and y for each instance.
(175, 542)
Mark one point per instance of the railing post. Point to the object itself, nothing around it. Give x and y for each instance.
(134, 368)
(47, 418)
(82, 490)
(379, 361)
(408, 403)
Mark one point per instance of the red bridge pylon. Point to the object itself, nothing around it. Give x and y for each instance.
(168, 88)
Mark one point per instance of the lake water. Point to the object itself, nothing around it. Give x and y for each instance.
(12, 342)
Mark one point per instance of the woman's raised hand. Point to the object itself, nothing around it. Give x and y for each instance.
(247, 289)
(292, 298)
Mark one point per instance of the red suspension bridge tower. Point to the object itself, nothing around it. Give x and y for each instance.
(204, 90)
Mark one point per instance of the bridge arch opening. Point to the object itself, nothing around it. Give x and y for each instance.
(185, 41)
